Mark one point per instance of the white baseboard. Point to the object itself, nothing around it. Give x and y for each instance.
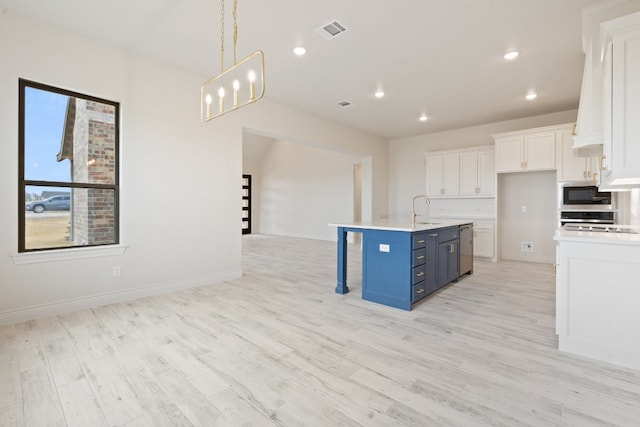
(60, 307)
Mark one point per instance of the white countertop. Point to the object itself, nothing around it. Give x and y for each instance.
(398, 225)
(563, 235)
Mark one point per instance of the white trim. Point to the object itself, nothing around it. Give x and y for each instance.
(60, 307)
(68, 254)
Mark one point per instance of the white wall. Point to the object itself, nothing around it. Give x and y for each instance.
(180, 179)
(302, 189)
(528, 213)
(407, 155)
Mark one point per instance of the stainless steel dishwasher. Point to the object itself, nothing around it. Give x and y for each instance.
(466, 249)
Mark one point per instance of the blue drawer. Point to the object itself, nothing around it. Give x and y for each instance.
(448, 234)
(419, 273)
(419, 257)
(419, 240)
(419, 291)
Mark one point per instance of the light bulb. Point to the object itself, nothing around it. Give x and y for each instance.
(208, 99)
(299, 50)
(423, 118)
(221, 95)
(379, 94)
(511, 55)
(531, 96)
(236, 86)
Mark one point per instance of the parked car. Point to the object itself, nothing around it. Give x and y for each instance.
(55, 203)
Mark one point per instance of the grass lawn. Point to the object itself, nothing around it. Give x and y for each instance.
(46, 232)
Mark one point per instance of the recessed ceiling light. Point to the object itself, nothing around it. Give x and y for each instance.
(509, 56)
(423, 118)
(531, 96)
(299, 50)
(378, 94)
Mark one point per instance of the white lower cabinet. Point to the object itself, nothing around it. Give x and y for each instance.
(484, 239)
(597, 296)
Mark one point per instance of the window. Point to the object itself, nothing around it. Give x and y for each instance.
(68, 169)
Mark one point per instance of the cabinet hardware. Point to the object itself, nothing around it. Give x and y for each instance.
(420, 257)
(420, 274)
(573, 131)
(420, 241)
(451, 248)
(601, 165)
(419, 291)
(433, 235)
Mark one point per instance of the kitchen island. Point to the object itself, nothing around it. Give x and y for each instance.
(597, 294)
(404, 262)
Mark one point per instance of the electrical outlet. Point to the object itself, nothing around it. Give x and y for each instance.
(116, 270)
(527, 247)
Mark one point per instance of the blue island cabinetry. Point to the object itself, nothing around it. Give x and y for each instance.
(402, 264)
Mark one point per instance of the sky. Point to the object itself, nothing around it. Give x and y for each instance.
(44, 122)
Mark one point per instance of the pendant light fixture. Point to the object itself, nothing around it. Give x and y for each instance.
(237, 86)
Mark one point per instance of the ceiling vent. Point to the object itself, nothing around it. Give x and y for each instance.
(331, 30)
(344, 103)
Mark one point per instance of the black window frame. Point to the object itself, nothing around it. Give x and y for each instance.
(23, 183)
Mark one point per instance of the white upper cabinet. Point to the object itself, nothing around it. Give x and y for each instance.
(477, 173)
(576, 165)
(622, 99)
(591, 113)
(527, 150)
(443, 175)
(461, 173)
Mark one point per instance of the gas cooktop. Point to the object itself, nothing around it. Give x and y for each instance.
(601, 228)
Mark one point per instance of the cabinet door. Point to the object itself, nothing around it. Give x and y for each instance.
(432, 263)
(540, 151)
(469, 174)
(625, 126)
(435, 173)
(448, 261)
(483, 242)
(570, 166)
(443, 175)
(486, 173)
(509, 154)
(451, 177)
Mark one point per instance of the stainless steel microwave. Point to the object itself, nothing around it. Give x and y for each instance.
(585, 195)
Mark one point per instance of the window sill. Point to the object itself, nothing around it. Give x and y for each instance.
(68, 254)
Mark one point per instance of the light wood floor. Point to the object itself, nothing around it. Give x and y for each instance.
(279, 347)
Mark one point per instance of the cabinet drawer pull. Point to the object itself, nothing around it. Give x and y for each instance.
(420, 241)
(451, 248)
(433, 235)
(420, 274)
(419, 291)
(420, 257)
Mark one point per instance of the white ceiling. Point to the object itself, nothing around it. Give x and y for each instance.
(439, 57)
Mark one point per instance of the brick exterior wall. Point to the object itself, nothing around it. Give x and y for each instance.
(94, 162)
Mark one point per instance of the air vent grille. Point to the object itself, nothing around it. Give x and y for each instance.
(331, 30)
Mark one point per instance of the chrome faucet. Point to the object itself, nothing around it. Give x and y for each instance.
(413, 206)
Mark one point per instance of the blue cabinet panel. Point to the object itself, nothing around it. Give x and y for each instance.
(385, 268)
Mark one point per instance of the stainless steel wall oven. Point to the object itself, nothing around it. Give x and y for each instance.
(585, 204)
